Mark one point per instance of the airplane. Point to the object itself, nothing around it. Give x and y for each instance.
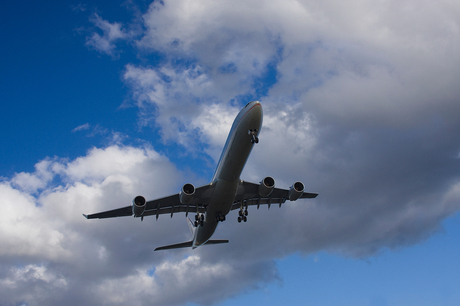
(212, 202)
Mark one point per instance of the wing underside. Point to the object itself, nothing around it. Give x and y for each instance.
(247, 195)
(167, 205)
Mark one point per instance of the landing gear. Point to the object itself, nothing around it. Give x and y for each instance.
(242, 218)
(220, 218)
(253, 133)
(243, 215)
(199, 219)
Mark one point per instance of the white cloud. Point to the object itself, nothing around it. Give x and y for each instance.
(360, 91)
(82, 127)
(59, 251)
(111, 34)
(363, 108)
(181, 103)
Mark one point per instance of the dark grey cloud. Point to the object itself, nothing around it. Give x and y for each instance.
(363, 110)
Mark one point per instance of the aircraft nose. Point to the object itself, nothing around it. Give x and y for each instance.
(257, 109)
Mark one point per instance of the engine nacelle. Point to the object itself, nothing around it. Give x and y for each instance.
(296, 191)
(266, 187)
(138, 206)
(186, 194)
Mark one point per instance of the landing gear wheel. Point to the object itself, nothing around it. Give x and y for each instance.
(239, 219)
(246, 212)
(202, 218)
(196, 223)
(201, 222)
(253, 133)
(245, 219)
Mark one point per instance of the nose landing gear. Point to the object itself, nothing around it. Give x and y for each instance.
(253, 133)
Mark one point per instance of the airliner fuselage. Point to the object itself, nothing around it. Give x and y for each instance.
(240, 141)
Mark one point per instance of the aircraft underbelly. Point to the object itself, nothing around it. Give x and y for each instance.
(220, 204)
(227, 176)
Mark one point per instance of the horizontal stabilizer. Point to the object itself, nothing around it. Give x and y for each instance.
(216, 241)
(187, 244)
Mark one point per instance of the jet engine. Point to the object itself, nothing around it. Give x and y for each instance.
(296, 191)
(186, 194)
(138, 206)
(266, 187)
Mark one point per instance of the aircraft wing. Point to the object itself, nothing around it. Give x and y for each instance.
(167, 205)
(248, 194)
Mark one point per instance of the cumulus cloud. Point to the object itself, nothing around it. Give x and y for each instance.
(360, 103)
(50, 252)
(182, 104)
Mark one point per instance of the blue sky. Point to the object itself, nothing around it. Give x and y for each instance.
(107, 100)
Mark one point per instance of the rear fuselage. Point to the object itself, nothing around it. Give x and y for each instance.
(227, 175)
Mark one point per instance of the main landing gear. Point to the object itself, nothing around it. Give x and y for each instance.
(220, 218)
(253, 133)
(199, 219)
(243, 215)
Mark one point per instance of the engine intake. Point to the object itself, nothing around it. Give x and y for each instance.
(266, 187)
(296, 191)
(138, 206)
(186, 194)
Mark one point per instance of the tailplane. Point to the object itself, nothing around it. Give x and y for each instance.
(188, 244)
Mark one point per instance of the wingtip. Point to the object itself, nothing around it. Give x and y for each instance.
(86, 216)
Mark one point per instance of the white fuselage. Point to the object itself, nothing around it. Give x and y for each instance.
(227, 176)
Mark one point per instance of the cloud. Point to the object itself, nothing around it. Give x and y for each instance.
(360, 103)
(82, 127)
(50, 249)
(181, 103)
(111, 34)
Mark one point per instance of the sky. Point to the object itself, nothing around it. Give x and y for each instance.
(104, 101)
